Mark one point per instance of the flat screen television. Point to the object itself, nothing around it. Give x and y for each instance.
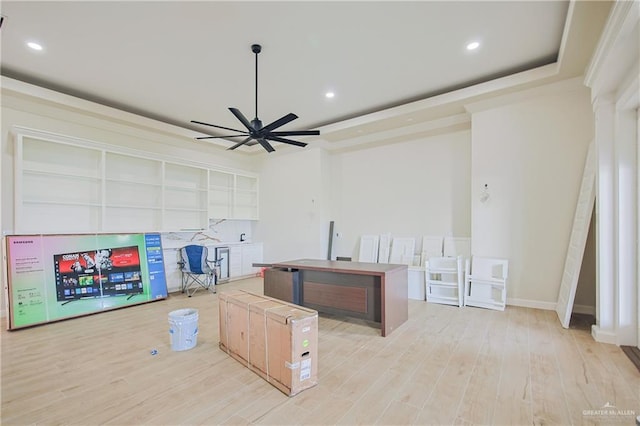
(100, 273)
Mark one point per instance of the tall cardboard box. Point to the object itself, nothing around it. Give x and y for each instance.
(275, 339)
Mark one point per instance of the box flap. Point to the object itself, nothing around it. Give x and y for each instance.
(275, 309)
(289, 313)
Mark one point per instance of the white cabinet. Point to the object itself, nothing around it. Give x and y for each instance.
(251, 253)
(241, 260)
(233, 196)
(245, 204)
(57, 190)
(172, 270)
(133, 194)
(220, 195)
(64, 184)
(242, 257)
(235, 261)
(185, 197)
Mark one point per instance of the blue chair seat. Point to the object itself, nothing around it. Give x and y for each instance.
(197, 271)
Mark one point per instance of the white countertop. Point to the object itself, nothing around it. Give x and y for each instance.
(177, 244)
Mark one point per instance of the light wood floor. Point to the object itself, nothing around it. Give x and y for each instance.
(446, 365)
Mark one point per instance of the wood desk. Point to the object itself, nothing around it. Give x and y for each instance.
(372, 291)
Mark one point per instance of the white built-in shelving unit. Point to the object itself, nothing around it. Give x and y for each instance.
(65, 184)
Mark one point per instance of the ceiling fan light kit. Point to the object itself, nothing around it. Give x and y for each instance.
(254, 128)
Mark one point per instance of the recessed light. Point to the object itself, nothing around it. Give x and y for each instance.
(329, 95)
(473, 45)
(35, 46)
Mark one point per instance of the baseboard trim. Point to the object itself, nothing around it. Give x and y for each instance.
(550, 306)
(536, 304)
(584, 309)
(602, 336)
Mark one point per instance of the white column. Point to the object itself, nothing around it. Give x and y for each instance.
(604, 329)
(626, 224)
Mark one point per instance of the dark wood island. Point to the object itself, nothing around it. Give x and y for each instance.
(371, 291)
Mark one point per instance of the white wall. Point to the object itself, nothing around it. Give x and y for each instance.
(44, 110)
(94, 123)
(294, 205)
(409, 189)
(531, 155)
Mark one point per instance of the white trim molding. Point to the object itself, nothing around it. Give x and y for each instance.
(612, 77)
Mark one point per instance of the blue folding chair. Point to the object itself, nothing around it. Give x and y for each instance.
(197, 271)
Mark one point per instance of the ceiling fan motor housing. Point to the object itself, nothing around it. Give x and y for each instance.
(256, 123)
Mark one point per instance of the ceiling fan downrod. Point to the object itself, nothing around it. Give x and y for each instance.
(256, 48)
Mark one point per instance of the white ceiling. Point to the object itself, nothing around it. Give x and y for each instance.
(180, 61)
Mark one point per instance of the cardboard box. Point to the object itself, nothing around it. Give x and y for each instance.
(275, 339)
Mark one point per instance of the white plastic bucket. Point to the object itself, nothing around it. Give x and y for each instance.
(183, 329)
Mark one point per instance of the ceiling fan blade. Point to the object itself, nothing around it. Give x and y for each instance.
(289, 141)
(266, 145)
(297, 133)
(219, 127)
(280, 122)
(222, 137)
(242, 118)
(239, 144)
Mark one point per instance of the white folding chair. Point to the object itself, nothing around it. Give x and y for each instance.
(431, 247)
(384, 248)
(402, 251)
(485, 283)
(368, 248)
(444, 280)
(455, 246)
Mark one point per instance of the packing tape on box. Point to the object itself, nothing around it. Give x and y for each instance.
(266, 335)
(266, 340)
(266, 344)
(226, 324)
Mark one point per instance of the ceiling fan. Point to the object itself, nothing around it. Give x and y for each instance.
(255, 131)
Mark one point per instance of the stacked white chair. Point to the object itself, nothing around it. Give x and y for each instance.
(384, 248)
(368, 248)
(455, 246)
(402, 251)
(444, 280)
(485, 283)
(431, 247)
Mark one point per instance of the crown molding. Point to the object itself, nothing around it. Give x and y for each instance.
(622, 20)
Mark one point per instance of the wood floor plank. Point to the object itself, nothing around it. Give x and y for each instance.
(513, 398)
(445, 365)
(478, 403)
(548, 395)
(398, 413)
(371, 405)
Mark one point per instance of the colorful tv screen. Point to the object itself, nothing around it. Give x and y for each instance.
(60, 276)
(100, 273)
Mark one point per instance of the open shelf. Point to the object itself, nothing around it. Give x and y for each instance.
(106, 190)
